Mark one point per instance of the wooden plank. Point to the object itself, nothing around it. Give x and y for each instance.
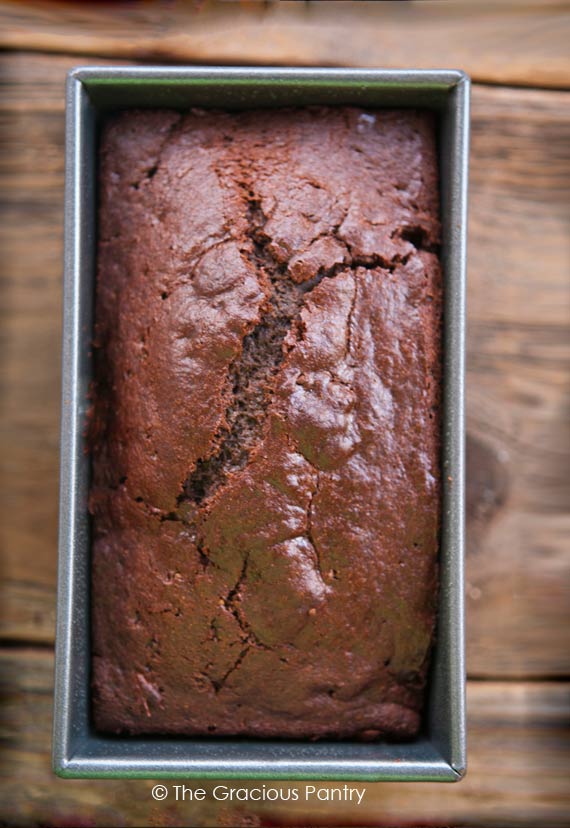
(519, 352)
(517, 391)
(519, 760)
(31, 175)
(508, 43)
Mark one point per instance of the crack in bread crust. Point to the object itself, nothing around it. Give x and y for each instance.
(252, 375)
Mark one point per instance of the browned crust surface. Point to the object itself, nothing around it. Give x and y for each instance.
(265, 430)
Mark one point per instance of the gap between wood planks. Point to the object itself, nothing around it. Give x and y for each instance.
(20, 646)
(484, 39)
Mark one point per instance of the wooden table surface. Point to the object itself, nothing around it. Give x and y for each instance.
(518, 393)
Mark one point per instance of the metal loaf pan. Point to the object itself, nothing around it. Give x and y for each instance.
(78, 750)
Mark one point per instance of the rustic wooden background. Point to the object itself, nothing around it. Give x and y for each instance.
(518, 382)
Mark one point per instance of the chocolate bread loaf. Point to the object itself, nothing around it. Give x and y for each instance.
(265, 426)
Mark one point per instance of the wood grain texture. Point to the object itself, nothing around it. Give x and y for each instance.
(519, 764)
(510, 43)
(518, 389)
(31, 203)
(518, 366)
(518, 579)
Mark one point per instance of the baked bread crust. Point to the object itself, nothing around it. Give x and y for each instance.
(265, 423)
